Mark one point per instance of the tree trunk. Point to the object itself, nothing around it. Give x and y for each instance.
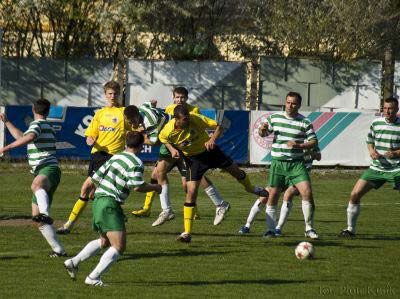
(387, 83)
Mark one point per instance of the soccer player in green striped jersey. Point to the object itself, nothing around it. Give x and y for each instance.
(114, 179)
(293, 134)
(40, 140)
(383, 142)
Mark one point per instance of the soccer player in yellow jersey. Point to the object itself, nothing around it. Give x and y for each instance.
(106, 134)
(165, 164)
(185, 136)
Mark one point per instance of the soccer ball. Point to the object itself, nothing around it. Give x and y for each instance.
(304, 250)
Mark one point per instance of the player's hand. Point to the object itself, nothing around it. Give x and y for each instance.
(90, 140)
(210, 144)
(292, 144)
(153, 103)
(391, 154)
(2, 151)
(374, 154)
(3, 117)
(263, 130)
(174, 153)
(316, 156)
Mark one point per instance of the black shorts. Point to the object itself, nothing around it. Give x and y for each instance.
(178, 163)
(197, 165)
(97, 160)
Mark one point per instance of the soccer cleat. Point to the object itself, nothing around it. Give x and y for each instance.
(269, 234)
(347, 234)
(244, 230)
(260, 191)
(278, 232)
(164, 217)
(184, 238)
(312, 234)
(43, 218)
(220, 212)
(94, 282)
(141, 213)
(56, 254)
(63, 230)
(71, 268)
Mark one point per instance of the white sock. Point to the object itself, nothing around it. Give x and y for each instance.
(50, 235)
(308, 213)
(42, 199)
(353, 210)
(164, 197)
(213, 194)
(91, 249)
(271, 217)
(106, 260)
(255, 209)
(285, 211)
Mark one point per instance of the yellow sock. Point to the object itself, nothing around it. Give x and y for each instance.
(188, 214)
(149, 200)
(247, 184)
(77, 210)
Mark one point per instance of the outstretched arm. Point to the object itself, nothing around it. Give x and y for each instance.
(19, 142)
(210, 144)
(15, 132)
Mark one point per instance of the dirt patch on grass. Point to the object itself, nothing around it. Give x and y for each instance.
(16, 222)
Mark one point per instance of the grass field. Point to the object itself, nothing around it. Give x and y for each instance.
(218, 262)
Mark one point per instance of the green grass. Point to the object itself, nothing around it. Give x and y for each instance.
(218, 262)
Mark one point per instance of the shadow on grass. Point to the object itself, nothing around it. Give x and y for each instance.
(178, 253)
(221, 282)
(322, 243)
(6, 257)
(378, 238)
(16, 217)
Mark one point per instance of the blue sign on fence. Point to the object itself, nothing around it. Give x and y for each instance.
(70, 124)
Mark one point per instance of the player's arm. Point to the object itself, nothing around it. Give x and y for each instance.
(305, 146)
(210, 144)
(92, 131)
(391, 154)
(136, 181)
(29, 137)
(145, 187)
(164, 138)
(14, 131)
(372, 151)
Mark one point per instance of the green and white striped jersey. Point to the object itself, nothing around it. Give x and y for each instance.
(298, 129)
(42, 150)
(154, 120)
(120, 173)
(385, 136)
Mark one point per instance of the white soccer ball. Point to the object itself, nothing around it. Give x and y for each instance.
(304, 250)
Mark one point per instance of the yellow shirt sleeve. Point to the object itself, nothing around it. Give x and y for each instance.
(163, 136)
(93, 129)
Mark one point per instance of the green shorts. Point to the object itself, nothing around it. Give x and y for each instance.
(107, 215)
(378, 178)
(283, 174)
(165, 154)
(53, 173)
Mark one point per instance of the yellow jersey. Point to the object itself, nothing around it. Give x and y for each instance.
(109, 129)
(189, 140)
(192, 109)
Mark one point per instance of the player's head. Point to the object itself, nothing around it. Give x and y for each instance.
(132, 116)
(181, 115)
(134, 140)
(390, 108)
(111, 92)
(180, 95)
(41, 107)
(292, 103)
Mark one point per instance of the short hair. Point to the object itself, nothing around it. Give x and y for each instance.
(180, 90)
(180, 110)
(42, 107)
(392, 100)
(294, 94)
(112, 85)
(134, 139)
(131, 113)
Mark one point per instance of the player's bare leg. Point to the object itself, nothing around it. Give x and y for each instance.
(150, 196)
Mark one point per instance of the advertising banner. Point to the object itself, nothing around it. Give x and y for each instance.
(341, 137)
